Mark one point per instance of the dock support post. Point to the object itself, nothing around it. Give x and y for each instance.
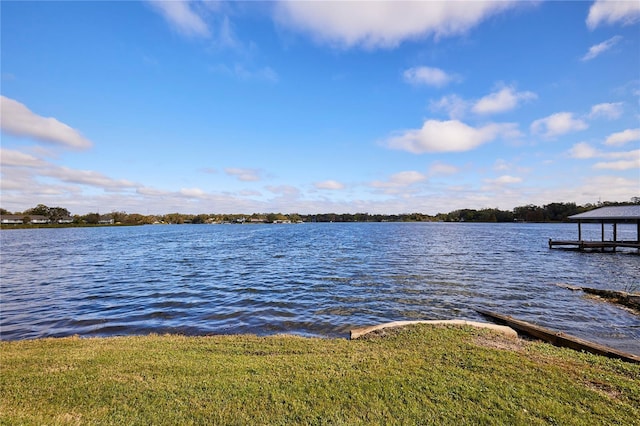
(615, 235)
(602, 233)
(580, 230)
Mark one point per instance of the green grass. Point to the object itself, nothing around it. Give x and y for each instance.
(415, 375)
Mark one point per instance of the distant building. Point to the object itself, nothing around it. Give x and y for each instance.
(105, 220)
(11, 219)
(65, 220)
(37, 219)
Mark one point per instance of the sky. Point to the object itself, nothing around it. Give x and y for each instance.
(156, 107)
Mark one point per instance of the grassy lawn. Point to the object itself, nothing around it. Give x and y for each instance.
(421, 374)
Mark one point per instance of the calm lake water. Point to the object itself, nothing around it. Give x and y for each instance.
(309, 279)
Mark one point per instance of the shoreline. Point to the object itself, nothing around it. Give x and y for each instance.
(444, 374)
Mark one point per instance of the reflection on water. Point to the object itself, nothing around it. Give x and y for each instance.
(310, 279)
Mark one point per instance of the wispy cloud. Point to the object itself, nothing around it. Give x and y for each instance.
(88, 177)
(439, 168)
(384, 24)
(401, 179)
(621, 138)
(598, 49)
(452, 105)
(428, 76)
(557, 124)
(613, 12)
(245, 175)
(450, 136)
(192, 192)
(619, 165)
(504, 180)
(18, 120)
(288, 191)
(610, 110)
(621, 160)
(182, 17)
(23, 165)
(329, 185)
(241, 72)
(12, 158)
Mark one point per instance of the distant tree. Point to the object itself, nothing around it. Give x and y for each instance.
(119, 217)
(91, 218)
(174, 218)
(52, 213)
(39, 210)
(294, 217)
(199, 219)
(57, 213)
(137, 219)
(529, 213)
(3, 211)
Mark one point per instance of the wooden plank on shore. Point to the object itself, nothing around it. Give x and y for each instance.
(558, 338)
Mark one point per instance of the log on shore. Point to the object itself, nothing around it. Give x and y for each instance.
(558, 338)
(620, 297)
(630, 300)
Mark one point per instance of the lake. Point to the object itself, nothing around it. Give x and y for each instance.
(312, 279)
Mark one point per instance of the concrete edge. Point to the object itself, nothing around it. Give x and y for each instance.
(502, 329)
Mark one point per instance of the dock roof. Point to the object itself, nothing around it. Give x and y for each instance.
(610, 213)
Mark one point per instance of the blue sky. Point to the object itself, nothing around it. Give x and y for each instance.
(312, 107)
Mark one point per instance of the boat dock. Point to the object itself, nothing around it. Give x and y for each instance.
(604, 215)
(593, 245)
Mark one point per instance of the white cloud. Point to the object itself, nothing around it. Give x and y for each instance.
(503, 100)
(329, 184)
(385, 23)
(613, 12)
(557, 124)
(583, 151)
(428, 76)
(505, 180)
(182, 17)
(620, 138)
(449, 136)
(600, 48)
(245, 175)
(611, 110)
(18, 120)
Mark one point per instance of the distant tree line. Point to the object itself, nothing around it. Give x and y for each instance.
(553, 212)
